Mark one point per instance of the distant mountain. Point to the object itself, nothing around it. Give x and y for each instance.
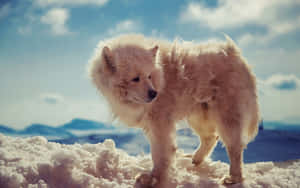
(44, 130)
(6, 130)
(119, 139)
(82, 131)
(276, 141)
(81, 124)
(269, 145)
(276, 125)
(64, 131)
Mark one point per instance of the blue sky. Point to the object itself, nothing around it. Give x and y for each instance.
(46, 44)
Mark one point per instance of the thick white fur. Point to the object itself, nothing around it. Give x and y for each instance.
(210, 85)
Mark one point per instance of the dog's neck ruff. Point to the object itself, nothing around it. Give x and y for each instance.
(130, 114)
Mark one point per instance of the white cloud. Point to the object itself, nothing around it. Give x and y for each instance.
(266, 62)
(235, 14)
(277, 105)
(57, 13)
(283, 82)
(279, 97)
(125, 26)
(30, 19)
(24, 30)
(248, 38)
(57, 18)
(158, 34)
(121, 27)
(274, 30)
(229, 13)
(47, 3)
(277, 69)
(5, 10)
(52, 98)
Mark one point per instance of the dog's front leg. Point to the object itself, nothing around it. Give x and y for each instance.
(163, 149)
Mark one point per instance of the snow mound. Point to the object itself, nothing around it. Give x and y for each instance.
(35, 162)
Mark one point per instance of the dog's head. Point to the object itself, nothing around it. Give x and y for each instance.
(131, 73)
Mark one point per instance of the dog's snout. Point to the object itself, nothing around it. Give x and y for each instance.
(152, 94)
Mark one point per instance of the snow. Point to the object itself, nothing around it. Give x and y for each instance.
(36, 163)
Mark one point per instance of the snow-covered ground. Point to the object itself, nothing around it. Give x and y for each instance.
(35, 162)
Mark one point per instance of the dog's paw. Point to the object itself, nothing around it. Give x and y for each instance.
(196, 162)
(229, 180)
(198, 158)
(188, 155)
(146, 181)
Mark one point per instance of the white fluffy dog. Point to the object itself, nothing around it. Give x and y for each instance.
(152, 84)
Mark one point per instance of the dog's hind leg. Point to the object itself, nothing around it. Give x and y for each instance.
(230, 131)
(206, 129)
(235, 154)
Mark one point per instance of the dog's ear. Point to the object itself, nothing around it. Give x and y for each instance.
(154, 50)
(109, 59)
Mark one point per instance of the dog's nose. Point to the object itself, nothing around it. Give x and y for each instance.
(152, 94)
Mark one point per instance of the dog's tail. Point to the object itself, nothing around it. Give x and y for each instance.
(231, 48)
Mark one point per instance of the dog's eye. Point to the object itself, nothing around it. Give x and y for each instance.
(136, 79)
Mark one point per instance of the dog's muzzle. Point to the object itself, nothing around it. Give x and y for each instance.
(151, 94)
